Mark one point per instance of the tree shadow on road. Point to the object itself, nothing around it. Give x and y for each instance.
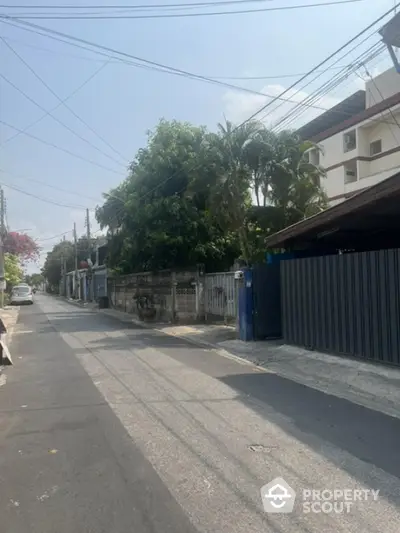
(312, 416)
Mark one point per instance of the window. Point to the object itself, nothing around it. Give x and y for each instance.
(350, 172)
(375, 147)
(21, 289)
(314, 157)
(349, 141)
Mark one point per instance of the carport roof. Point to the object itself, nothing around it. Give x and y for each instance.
(373, 210)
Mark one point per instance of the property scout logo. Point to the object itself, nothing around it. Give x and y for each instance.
(279, 497)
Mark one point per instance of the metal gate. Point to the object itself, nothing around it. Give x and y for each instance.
(220, 296)
(267, 301)
(344, 304)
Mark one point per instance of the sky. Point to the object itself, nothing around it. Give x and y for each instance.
(121, 102)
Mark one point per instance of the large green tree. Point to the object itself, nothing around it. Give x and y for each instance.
(154, 222)
(189, 196)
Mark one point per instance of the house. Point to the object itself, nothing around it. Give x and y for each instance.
(359, 139)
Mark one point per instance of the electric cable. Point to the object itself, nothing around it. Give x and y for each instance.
(43, 82)
(327, 87)
(319, 74)
(56, 107)
(49, 113)
(41, 198)
(65, 150)
(55, 187)
(172, 70)
(362, 32)
(191, 15)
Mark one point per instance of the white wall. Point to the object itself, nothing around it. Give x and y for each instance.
(385, 85)
(383, 128)
(334, 182)
(371, 180)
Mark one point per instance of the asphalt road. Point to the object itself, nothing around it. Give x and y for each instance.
(109, 428)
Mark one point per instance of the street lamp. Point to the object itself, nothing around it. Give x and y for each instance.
(390, 34)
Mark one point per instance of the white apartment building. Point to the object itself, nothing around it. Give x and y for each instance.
(359, 138)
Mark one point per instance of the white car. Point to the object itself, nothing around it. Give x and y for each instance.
(21, 294)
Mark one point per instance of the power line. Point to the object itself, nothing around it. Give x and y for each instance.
(118, 61)
(132, 6)
(59, 52)
(152, 65)
(323, 62)
(49, 113)
(328, 86)
(41, 198)
(62, 102)
(284, 92)
(163, 68)
(55, 187)
(269, 76)
(381, 95)
(279, 97)
(61, 149)
(56, 107)
(184, 15)
(320, 73)
(54, 236)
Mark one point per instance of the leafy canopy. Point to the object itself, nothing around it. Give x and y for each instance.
(21, 245)
(155, 223)
(13, 270)
(194, 196)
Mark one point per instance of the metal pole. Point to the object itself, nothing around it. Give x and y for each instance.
(76, 263)
(62, 275)
(2, 235)
(88, 231)
(89, 273)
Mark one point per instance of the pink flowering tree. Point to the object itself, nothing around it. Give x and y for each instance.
(22, 246)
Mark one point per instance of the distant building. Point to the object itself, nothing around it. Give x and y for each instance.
(359, 138)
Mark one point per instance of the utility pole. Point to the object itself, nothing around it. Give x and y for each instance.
(62, 291)
(76, 263)
(88, 232)
(89, 273)
(2, 235)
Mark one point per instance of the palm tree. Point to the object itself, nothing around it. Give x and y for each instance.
(288, 181)
(248, 158)
(232, 180)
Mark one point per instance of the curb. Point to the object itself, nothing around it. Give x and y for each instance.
(6, 342)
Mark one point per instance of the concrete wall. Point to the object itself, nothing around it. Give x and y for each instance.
(385, 85)
(164, 296)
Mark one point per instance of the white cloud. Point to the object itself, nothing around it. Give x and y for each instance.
(240, 106)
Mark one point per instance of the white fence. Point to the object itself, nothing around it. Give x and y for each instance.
(220, 296)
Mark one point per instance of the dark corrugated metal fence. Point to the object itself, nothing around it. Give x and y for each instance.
(266, 301)
(345, 304)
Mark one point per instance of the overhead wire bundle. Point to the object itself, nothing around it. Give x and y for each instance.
(168, 11)
(283, 96)
(327, 88)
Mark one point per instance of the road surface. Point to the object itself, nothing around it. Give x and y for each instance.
(109, 428)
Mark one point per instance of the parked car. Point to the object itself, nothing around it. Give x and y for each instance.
(21, 294)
